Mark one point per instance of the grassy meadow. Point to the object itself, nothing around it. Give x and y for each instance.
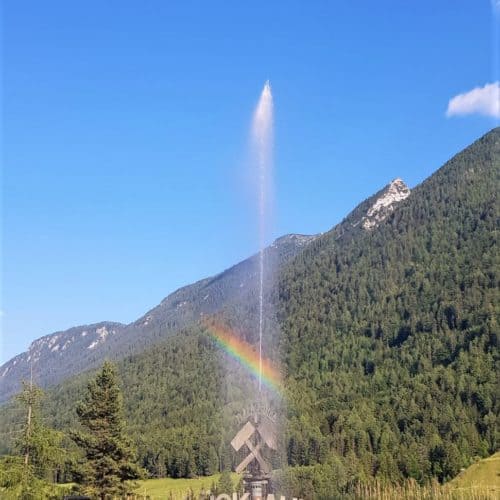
(483, 475)
(177, 489)
(480, 481)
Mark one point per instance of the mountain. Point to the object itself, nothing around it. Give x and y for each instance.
(389, 347)
(392, 339)
(66, 353)
(75, 346)
(234, 291)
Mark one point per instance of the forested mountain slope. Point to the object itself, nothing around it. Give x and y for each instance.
(62, 354)
(391, 339)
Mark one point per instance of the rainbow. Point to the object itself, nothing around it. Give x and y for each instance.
(245, 355)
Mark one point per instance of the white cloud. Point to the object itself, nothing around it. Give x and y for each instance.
(480, 100)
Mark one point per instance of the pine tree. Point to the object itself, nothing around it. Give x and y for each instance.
(109, 455)
(30, 397)
(28, 474)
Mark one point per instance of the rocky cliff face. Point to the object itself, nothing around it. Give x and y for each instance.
(395, 192)
(73, 349)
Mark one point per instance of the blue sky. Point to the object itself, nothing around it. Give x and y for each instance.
(125, 131)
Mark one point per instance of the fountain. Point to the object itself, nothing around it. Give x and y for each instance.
(259, 431)
(262, 138)
(256, 443)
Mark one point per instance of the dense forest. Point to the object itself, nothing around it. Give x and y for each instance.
(389, 345)
(393, 336)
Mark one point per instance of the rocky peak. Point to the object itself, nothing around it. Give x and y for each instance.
(394, 192)
(54, 350)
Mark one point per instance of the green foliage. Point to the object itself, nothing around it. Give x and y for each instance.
(389, 341)
(225, 484)
(180, 410)
(391, 337)
(109, 456)
(322, 481)
(29, 474)
(12, 471)
(20, 481)
(40, 444)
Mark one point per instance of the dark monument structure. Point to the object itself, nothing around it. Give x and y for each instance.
(255, 436)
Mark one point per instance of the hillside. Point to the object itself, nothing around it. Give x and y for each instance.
(392, 338)
(389, 343)
(62, 354)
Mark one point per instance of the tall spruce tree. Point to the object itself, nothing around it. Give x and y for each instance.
(109, 454)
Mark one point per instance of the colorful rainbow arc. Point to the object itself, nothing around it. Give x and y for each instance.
(246, 356)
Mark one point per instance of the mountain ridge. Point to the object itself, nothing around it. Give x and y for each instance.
(177, 310)
(82, 347)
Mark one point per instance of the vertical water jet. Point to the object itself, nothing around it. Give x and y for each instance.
(262, 139)
(256, 443)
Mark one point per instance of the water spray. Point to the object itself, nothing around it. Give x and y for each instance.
(262, 137)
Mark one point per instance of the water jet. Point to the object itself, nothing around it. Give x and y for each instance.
(259, 431)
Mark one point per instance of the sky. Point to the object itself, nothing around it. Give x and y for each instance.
(125, 130)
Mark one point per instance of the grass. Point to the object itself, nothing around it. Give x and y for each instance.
(168, 488)
(481, 481)
(412, 491)
(484, 474)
